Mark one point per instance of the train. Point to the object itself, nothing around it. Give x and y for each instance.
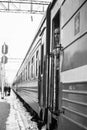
(52, 78)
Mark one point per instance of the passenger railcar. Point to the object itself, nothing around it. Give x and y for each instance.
(33, 67)
(61, 92)
(67, 73)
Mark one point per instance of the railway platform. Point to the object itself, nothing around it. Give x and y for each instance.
(13, 115)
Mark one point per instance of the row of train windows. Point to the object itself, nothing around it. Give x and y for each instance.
(31, 69)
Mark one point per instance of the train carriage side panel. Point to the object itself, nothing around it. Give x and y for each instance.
(72, 8)
(73, 73)
(76, 25)
(43, 67)
(43, 70)
(27, 85)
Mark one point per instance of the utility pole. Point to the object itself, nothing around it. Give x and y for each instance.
(3, 61)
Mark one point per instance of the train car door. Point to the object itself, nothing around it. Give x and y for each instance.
(42, 56)
(55, 72)
(55, 67)
(40, 81)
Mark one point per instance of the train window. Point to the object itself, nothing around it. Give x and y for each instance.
(26, 72)
(42, 54)
(21, 77)
(37, 62)
(28, 69)
(56, 37)
(77, 24)
(56, 30)
(32, 67)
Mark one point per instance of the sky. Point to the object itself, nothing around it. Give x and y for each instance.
(17, 31)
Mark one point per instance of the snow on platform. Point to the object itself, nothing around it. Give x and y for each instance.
(19, 118)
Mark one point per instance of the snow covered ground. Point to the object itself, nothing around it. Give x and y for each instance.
(19, 118)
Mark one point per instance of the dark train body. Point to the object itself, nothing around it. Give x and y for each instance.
(52, 79)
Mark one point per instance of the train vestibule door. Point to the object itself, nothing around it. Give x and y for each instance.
(40, 81)
(54, 85)
(55, 78)
(55, 62)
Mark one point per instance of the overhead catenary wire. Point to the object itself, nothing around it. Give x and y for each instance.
(20, 6)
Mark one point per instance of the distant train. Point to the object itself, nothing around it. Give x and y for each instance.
(52, 78)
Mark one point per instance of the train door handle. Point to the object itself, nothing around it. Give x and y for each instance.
(62, 111)
(58, 112)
